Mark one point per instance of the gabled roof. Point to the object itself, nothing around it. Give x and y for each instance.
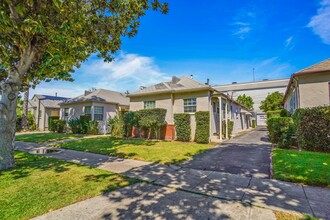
(318, 67)
(321, 67)
(49, 101)
(176, 85)
(100, 95)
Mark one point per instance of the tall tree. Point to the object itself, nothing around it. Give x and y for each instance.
(272, 102)
(245, 100)
(45, 40)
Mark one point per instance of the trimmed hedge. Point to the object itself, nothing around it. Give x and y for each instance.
(280, 130)
(182, 126)
(230, 127)
(202, 127)
(275, 113)
(313, 128)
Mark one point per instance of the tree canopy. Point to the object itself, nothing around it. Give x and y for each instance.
(245, 100)
(43, 40)
(272, 102)
(46, 39)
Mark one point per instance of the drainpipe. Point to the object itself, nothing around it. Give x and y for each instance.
(220, 117)
(226, 117)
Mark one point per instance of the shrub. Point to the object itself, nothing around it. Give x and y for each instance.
(51, 124)
(254, 123)
(285, 113)
(182, 126)
(129, 121)
(116, 126)
(78, 125)
(60, 125)
(151, 119)
(275, 113)
(93, 127)
(202, 127)
(280, 131)
(230, 127)
(313, 128)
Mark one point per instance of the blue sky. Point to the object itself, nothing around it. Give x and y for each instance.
(219, 40)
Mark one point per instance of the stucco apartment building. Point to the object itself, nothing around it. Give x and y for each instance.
(257, 90)
(101, 105)
(309, 87)
(185, 95)
(44, 106)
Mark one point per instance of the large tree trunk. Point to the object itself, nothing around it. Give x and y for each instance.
(8, 102)
(25, 110)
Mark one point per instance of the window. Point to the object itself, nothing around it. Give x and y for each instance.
(88, 111)
(189, 105)
(66, 112)
(98, 113)
(149, 104)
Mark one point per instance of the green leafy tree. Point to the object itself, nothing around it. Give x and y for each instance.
(46, 40)
(272, 102)
(245, 100)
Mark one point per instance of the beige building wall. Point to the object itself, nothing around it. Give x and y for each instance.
(314, 90)
(161, 101)
(165, 101)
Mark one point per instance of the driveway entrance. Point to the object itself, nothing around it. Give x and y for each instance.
(247, 155)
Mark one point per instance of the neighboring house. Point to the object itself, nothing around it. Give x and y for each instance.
(101, 105)
(309, 87)
(44, 106)
(257, 90)
(185, 95)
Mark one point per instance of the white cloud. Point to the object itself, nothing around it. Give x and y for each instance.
(243, 23)
(320, 22)
(126, 72)
(288, 43)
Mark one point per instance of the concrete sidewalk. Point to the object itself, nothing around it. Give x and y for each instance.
(146, 201)
(270, 194)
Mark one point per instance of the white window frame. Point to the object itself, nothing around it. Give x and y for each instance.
(190, 105)
(66, 112)
(149, 104)
(101, 113)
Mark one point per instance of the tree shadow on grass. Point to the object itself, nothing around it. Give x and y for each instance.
(26, 164)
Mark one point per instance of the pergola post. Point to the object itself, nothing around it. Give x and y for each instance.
(220, 116)
(226, 117)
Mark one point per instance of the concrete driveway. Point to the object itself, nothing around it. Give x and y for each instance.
(247, 155)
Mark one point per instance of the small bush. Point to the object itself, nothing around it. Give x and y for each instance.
(78, 125)
(129, 121)
(116, 125)
(182, 126)
(254, 123)
(281, 130)
(93, 127)
(313, 128)
(152, 120)
(275, 113)
(202, 127)
(285, 113)
(60, 125)
(230, 127)
(51, 124)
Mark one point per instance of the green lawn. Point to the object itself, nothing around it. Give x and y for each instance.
(46, 137)
(39, 184)
(153, 151)
(306, 167)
